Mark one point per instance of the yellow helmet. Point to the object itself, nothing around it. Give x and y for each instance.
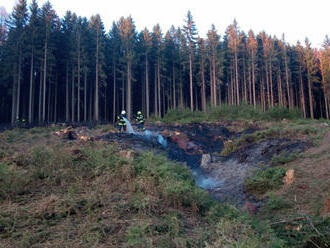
(139, 112)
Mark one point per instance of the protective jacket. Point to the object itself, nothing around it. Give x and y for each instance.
(139, 119)
(121, 121)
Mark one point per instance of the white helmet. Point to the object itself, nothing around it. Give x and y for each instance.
(123, 112)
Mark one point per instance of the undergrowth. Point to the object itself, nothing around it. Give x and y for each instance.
(231, 112)
(265, 180)
(93, 197)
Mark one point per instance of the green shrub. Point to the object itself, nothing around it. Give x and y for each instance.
(276, 203)
(265, 180)
(136, 235)
(235, 233)
(231, 112)
(284, 158)
(12, 181)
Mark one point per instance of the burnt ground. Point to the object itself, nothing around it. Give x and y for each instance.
(199, 147)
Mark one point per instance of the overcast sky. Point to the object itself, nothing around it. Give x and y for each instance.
(295, 18)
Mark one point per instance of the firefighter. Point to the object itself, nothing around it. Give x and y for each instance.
(140, 120)
(121, 122)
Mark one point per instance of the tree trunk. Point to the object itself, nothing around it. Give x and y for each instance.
(31, 87)
(236, 77)
(44, 83)
(214, 81)
(191, 83)
(267, 85)
(13, 103)
(302, 94)
(310, 96)
(250, 85)
(253, 84)
(287, 79)
(40, 95)
(128, 92)
(174, 88)
(203, 85)
(85, 96)
(279, 87)
(72, 96)
(96, 99)
(147, 88)
(78, 73)
(114, 95)
(326, 107)
(19, 86)
(271, 82)
(55, 101)
(67, 113)
(158, 92)
(155, 94)
(211, 84)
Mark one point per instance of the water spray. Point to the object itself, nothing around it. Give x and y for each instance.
(146, 134)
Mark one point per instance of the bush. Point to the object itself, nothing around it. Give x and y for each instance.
(12, 181)
(231, 112)
(276, 203)
(283, 158)
(235, 233)
(265, 180)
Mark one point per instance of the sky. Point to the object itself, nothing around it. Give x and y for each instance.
(297, 19)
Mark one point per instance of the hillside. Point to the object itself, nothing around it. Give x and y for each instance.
(93, 187)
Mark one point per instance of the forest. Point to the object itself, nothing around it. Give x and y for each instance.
(71, 69)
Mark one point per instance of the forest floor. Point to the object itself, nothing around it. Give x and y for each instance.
(259, 184)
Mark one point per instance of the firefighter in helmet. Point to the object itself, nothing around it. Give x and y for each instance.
(140, 120)
(121, 122)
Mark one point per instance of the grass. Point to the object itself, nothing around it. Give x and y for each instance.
(295, 130)
(63, 195)
(230, 112)
(265, 180)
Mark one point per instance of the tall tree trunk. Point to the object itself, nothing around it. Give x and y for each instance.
(40, 95)
(250, 85)
(287, 79)
(302, 94)
(19, 86)
(279, 87)
(159, 89)
(78, 73)
(105, 103)
(14, 95)
(31, 87)
(96, 98)
(44, 82)
(67, 113)
(326, 106)
(174, 88)
(236, 77)
(253, 83)
(214, 81)
(114, 95)
(191, 83)
(203, 85)
(310, 96)
(211, 84)
(128, 92)
(147, 88)
(72, 96)
(267, 84)
(55, 100)
(85, 95)
(271, 82)
(244, 82)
